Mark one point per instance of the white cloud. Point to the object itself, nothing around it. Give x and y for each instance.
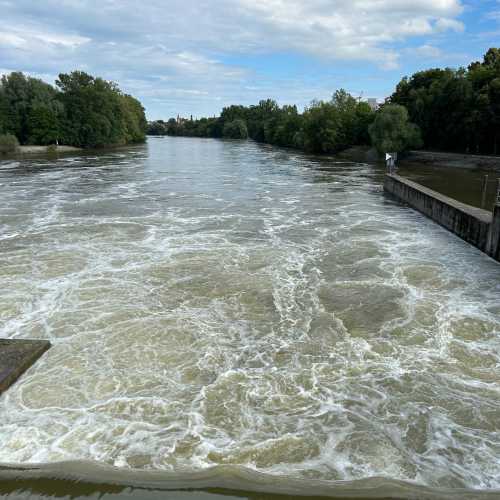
(426, 52)
(179, 49)
(360, 29)
(444, 24)
(20, 36)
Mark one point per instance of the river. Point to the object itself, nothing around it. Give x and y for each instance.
(229, 304)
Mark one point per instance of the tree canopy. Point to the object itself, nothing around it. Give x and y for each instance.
(456, 110)
(444, 109)
(81, 111)
(324, 127)
(236, 129)
(392, 131)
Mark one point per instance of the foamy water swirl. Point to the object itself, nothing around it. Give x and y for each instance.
(227, 303)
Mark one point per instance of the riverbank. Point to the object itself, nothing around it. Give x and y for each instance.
(431, 158)
(33, 150)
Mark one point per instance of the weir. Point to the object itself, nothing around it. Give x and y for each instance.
(474, 225)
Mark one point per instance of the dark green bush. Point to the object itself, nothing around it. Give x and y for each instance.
(8, 143)
(393, 132)
(236, 129)
(51, 149)
(82, 111)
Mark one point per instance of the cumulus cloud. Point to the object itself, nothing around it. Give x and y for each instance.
(179, 50)
(426, 52)
(359, 29)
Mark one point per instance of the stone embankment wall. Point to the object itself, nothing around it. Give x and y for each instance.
(478, 227)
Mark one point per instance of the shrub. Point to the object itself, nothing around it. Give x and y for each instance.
(393, 132)
(8, 143)
(237, 129)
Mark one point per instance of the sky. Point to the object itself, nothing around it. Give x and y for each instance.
(193, 57)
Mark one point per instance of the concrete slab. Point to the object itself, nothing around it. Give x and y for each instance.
(16, 356)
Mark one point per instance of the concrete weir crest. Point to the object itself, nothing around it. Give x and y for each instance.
(474, 225)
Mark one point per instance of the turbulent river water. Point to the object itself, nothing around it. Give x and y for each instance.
(226, 303)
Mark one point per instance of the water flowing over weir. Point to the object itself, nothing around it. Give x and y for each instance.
(229, 304)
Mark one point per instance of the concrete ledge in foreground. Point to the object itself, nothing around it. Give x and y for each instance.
(16, 356)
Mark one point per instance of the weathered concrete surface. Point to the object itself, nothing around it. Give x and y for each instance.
(16, 356)
(476, 226)
(493, 248)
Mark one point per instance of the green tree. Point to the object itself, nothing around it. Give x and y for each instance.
(485, 79)
(43, 125)
(392, 131)
(364, 117)
(236, 129)
(20, 94)
(8, 143)
(158, 127)
(494, 112)
(97, 114)
(456, 110)
(134, 117)
(286, 126)
(4, 111)
(320, 128)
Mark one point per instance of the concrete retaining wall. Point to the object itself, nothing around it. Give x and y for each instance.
(478, 227)
(493, 248)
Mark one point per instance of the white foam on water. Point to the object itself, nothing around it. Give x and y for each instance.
(270, 310)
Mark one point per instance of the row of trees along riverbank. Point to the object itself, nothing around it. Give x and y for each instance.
(81, 111)
(442, 109)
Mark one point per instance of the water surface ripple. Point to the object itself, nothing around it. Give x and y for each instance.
(225, 303)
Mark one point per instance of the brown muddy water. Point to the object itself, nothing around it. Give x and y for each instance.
(245, 319)
(463, 184)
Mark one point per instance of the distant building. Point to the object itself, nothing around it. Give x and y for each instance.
(373, 103)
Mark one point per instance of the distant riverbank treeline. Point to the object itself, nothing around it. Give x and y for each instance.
(81, 111)
(323, 127)
(443, 109)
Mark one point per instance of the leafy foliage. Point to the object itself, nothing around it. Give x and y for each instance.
(392, 131)
(44, 124)
(8, 143)
(236, 129)
(323, 127)
(19, 96)
(82, 111)
(447, 109)
(456, 110)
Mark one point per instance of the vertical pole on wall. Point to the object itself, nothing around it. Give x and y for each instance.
(390, 161)
(484, 191)
(497, 198)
